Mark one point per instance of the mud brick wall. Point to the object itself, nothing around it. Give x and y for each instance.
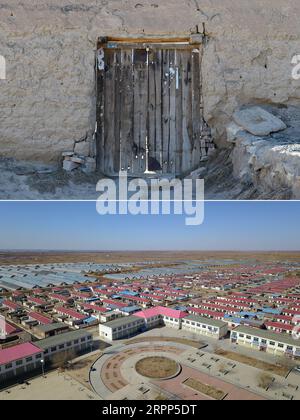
(48, 99)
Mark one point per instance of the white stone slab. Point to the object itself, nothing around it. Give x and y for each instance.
(258, 122)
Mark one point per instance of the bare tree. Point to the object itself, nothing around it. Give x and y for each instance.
(264, 380)
(286, 363)
(61, 360)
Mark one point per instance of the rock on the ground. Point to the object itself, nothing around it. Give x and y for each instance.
(258, 121)
(77, 159)
(70, 166)
(90, 166)
(232, 129)
(82, 148)
(67, 154)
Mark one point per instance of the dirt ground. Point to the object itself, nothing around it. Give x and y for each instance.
(55, 387)
(157, 367)
(208, 390)
(80, 370)
(35, 181)
(192, 343)
(32, 257)
(266, 367)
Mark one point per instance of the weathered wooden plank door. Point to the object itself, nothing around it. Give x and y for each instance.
(149, 109)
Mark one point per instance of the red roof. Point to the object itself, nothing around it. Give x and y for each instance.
(18, 352)
(160, 310)
(38, 301)
(95, 308)
(279, 326)
(61, 298)
(10, 304)
(205, 312)
(40, 318)
(9, 329)
(114, 302)
(71, 313)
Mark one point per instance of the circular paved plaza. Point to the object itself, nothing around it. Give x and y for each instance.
(112, 372)
(124, 372)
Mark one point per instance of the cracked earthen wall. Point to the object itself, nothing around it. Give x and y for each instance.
(48, 99)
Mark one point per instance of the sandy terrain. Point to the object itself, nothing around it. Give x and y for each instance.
(33, 257)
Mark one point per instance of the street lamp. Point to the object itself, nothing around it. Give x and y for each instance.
(43, 367)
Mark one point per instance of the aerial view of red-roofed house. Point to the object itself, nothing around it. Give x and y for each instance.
(34, 302)
(40, 318)
(161, 315)
(12, 307)
(279, 327)
(7, 330)
(70, 316)
(60, 298)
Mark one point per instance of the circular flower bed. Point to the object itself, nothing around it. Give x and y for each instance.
(158, 368)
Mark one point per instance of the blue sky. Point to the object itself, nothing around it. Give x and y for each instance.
(77, 226)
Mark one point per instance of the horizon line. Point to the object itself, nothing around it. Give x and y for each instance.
(147, 250)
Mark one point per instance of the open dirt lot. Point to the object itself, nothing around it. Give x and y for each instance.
(54, 387)
(80, 370)
(138, 256)
(191, 343)
(267, 367)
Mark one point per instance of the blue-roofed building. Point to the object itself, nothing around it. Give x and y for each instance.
(85, 289)
(94, 299)
(91, 321)
(130, 310)
(272, 311)
(181, 308)
(235, 321)
(245, 314)
(128, 293)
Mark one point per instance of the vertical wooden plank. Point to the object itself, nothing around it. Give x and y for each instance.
(140, 131)
(117, 113)
(136, 118)
(100, 119)
(196, 111)
(143, 92)
(126, 131)
(166, 109)
(179, 108)
(152, 107)
(158, 109)
(109, 126)
(187, 128)
(172, 112)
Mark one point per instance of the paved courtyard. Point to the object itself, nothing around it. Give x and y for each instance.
(54, 387)
(114, 375)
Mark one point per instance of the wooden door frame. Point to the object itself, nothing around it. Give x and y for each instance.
(136, 42)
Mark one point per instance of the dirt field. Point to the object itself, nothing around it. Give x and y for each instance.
(31, 257)
(267, 367)
(80, 370)
(157, 367)
(191, 343)
(208, 390)
(56, 387)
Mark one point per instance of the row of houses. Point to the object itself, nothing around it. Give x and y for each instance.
(266, 341)
(26, 358)
(161, 316)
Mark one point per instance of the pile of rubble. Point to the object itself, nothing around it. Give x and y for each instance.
(81, 157)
